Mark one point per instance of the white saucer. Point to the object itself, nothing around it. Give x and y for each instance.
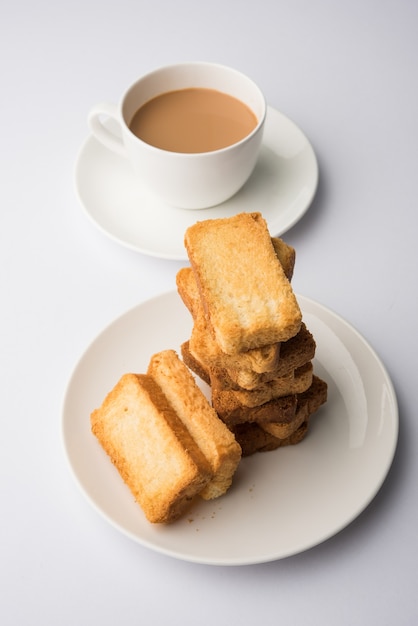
(281, 502)
(281, 187)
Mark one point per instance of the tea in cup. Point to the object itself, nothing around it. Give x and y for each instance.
(192, 132)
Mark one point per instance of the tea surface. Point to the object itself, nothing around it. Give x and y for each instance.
(193, 120)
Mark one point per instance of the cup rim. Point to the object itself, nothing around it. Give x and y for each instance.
(194, 155)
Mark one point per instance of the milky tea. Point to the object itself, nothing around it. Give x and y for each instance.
(193, 120)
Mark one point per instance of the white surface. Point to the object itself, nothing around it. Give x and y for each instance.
(344, 458)
(346, 74)
(284, 182)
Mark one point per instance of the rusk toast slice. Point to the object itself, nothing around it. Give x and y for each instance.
(232, 412)
(297, 381)
(245, 293)
(152, 449)
(193, 363)
(277, 360)
(286, 255)
(293, 354)
(308, 403)
(276, 410)
(262, 437)
(203, 342)
(252, 438)
(214, 439)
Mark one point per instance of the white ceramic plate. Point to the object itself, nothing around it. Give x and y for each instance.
(281, 502)
(282, 186)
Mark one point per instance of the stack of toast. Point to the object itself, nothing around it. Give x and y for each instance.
(170, 443)
(248, 341)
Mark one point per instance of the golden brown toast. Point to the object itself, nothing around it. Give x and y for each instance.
(308, 402)
(262, 437)
(245, 368)
(152, 449)
(230, 409)
(293, 354)
(252, 438)
(296, 381)
(214, 439)
(285, 253)
(203, 343)
(277, 410)
(193, 363)
(246, 295)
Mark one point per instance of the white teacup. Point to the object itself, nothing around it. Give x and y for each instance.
(185, 180)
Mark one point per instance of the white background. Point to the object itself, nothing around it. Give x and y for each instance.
(346, 73)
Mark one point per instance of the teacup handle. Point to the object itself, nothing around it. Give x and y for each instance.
(104, 134)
